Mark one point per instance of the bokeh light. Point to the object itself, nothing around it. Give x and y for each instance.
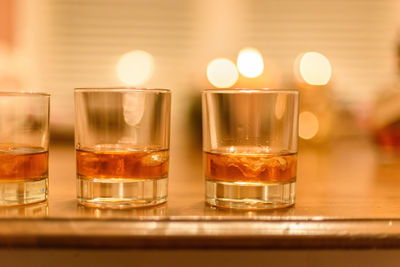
(250, 62)
(222, 73)
(315, 68)
(308, 125)
(135, 67)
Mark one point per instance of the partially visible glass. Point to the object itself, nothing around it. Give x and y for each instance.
(24, 145)
(250, 147)
(122, 146)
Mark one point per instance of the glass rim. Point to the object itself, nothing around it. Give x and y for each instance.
(121, 89)
(249, 90)
(23, 93)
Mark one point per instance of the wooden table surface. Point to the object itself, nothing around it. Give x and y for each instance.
(347, 197)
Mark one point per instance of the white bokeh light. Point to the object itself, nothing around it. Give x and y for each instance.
(315, 68)
(222, 73)
(250, 62)
(135, 67)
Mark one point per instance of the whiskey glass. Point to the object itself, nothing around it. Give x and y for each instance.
(122, 146)
(24, 145)
(250, 147)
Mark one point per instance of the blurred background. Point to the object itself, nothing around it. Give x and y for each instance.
(342, 55)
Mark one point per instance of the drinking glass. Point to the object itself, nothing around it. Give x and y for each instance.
(24, 145)
(122, 146)
(250, 147)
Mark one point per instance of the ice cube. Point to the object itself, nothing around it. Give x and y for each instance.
(155, 158)
(253, 166)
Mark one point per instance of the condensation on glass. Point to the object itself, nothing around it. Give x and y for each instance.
(24, 144)
(250, 147)
(122, 146)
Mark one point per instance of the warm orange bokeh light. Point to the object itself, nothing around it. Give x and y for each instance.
(308, 125)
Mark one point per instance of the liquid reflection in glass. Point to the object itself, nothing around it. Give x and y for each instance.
(242, 213)
(98, 213)
(33, 210)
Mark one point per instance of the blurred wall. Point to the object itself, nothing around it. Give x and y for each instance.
(59, 45)
(77, 43)
(6, 22)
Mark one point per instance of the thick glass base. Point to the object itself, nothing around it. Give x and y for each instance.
(23, 192)
(121, 193)
(246, 195)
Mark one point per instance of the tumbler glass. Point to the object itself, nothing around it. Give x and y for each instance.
(250, 147)
(24, 145)
(122, 146)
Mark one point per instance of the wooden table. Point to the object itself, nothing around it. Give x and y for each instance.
(346, 198)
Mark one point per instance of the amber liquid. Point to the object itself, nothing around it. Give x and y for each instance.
(22, 163)
(250, 167)
(112, 162)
